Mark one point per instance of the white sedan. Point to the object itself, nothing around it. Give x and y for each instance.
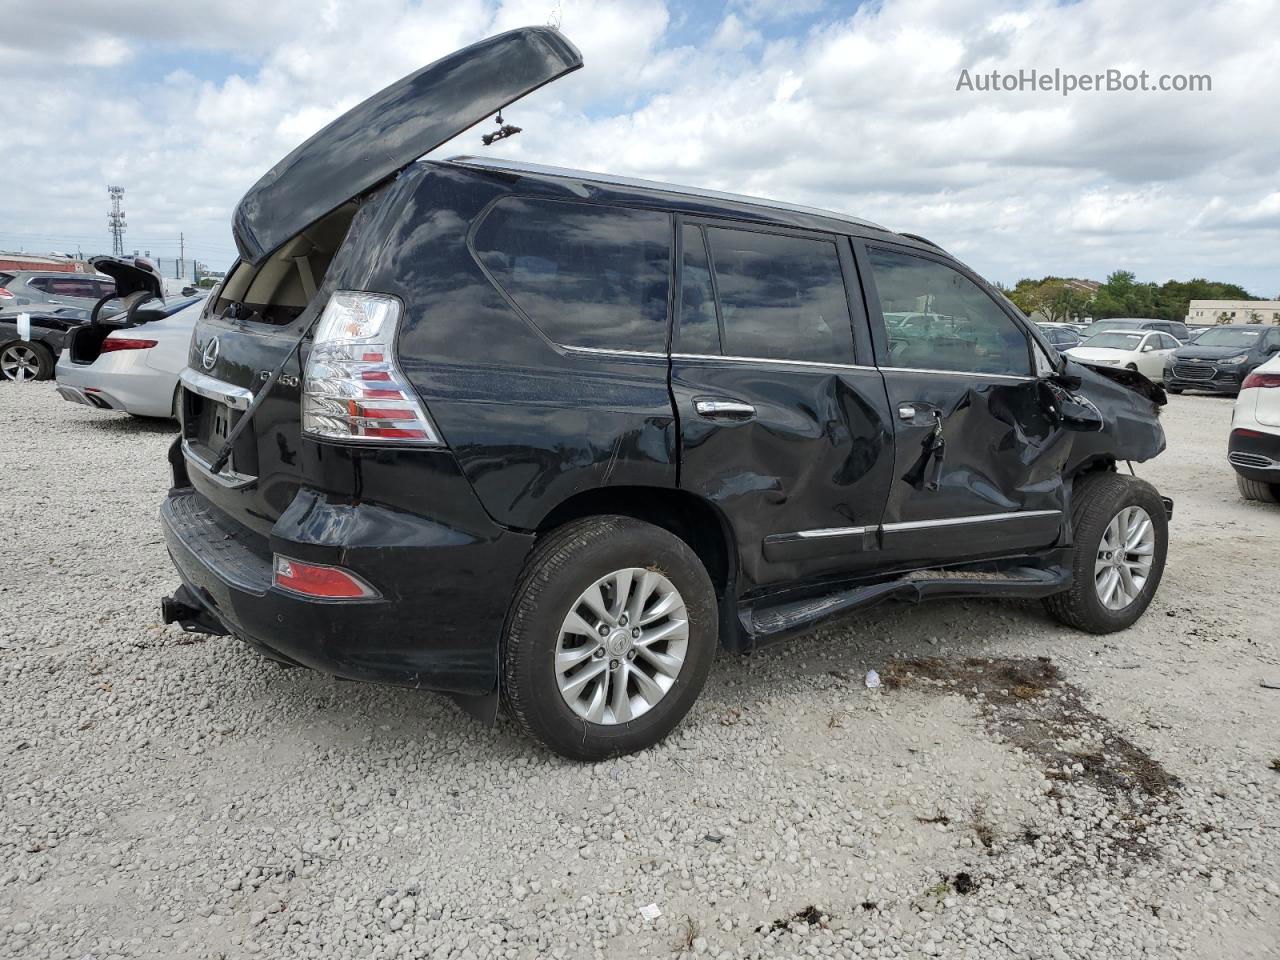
(134, 369)
(1143, 351)
(1254, 448)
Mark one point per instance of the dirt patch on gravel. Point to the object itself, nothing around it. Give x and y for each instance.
(1028, 705)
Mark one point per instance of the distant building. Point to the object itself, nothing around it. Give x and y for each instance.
(1233, 311)
(1088, 287)
(26, 261)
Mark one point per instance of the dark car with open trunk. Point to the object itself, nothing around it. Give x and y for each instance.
(552, 438)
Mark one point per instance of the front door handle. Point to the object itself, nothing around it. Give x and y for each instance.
(724, 409)
(906, 411)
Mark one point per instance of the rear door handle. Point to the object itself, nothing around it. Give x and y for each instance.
(724, 409)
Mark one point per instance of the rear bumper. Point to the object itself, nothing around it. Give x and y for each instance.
(1255, 454)
(437, 624)
(136, 389)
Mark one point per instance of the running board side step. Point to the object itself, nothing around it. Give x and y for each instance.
(766, 624)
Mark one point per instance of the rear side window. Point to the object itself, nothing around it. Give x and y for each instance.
(588, 275)
(781, 297)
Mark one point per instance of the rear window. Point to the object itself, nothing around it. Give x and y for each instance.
(588, 275)
(780, 297)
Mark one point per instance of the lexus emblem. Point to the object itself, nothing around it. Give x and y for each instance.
(209, 355)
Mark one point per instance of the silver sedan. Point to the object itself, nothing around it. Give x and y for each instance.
(134, 369)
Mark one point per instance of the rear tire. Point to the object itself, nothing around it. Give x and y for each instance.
(1257, 490)
(1173, 390)
(23, 361)
(1105, 593)
(601, 559)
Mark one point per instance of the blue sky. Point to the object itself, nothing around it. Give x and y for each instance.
(847, 106)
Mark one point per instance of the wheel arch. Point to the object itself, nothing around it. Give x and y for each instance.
(693, 519)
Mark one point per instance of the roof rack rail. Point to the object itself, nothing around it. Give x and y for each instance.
(916, 236)
(519, 166)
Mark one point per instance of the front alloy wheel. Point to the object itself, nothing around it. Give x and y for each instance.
(622, 645)
(1124, 558)
(1121, 534)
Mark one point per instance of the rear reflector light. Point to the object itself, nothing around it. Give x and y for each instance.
(126, 343)
(1260, 380)
(320, 581)
(1242, 432)
(352, 389)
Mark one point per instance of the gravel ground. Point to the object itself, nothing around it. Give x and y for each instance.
(175, 796)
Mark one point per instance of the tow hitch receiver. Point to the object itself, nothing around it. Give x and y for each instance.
(184, 610)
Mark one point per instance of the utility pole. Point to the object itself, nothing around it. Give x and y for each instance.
(182, 254)
(116, 221)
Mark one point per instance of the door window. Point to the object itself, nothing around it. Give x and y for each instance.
(588, 275)
(781, 297)
(699, 332)
(1167, 342)
(936, 318)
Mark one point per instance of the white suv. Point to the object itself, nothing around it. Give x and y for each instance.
(1254, 449)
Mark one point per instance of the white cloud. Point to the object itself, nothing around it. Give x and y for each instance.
(858, 111)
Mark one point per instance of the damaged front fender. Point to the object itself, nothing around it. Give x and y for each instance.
(1129, 407)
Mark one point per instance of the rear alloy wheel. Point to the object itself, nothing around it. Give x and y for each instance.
(23, 362)
(1121, 540)
(610, 637)
(622, 646)
(1257, 490)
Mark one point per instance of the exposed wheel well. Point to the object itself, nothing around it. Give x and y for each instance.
(689, 517)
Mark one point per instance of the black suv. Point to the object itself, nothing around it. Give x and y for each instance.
(1221, 357)
(505, 431)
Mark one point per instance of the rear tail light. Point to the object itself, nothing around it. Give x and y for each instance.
(352, 389)
(320, 581)
(126, 343)
(5, 294)
(1260, 380)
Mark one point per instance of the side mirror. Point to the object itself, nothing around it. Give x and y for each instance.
(1148, 348)
(1271, 348)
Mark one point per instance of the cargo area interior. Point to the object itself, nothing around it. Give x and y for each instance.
(278, 290)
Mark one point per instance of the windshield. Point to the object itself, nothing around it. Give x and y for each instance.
(1227, 337)
(1116, 341)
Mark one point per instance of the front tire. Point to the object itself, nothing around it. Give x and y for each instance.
(1121, 542)
(23, 361)
(1257, 490)
(609, 639)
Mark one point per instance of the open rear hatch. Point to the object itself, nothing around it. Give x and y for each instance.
(138, 292)
(289, 228)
